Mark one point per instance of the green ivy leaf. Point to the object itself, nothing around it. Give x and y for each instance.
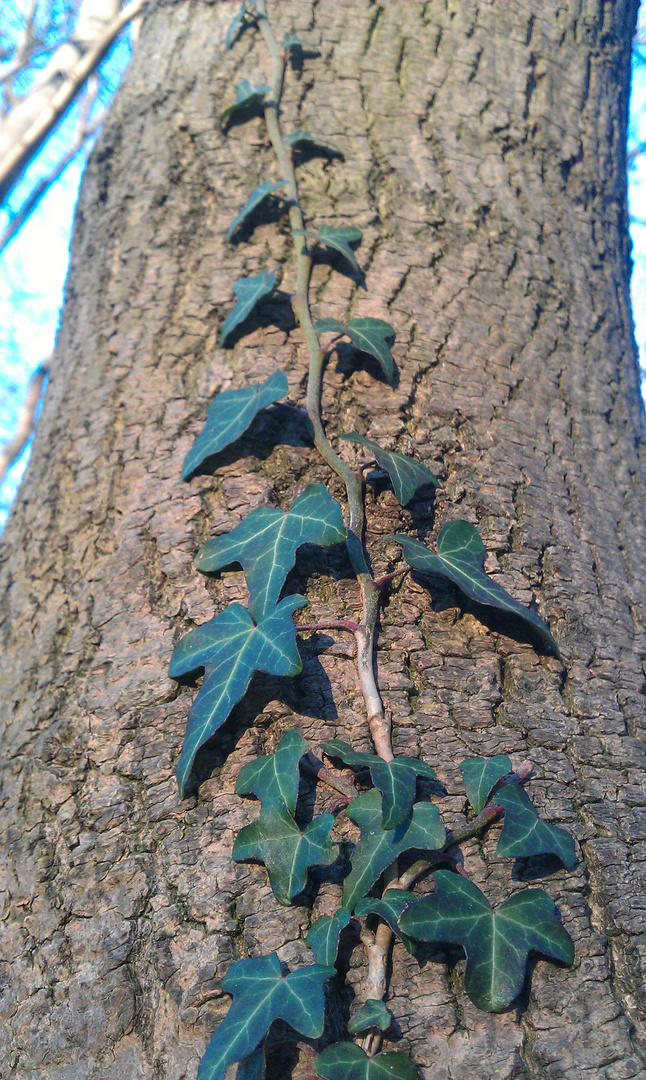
(340, 237)
(252, 1067)
(378, 847)
(256, 197)
(302, 138)
(266, 541)
(368, 335)
(230, 647)
(248, 98)
(406, 474)
(497, 943)
(294, 44)
(276, 840)
(396, 779)
(250, 291)
(229, 415)
(390, 908)
(523, 832)
(345, 1061)
(236, 27)
(372, 1014)
(480, 775)
(261, 994)
(323, 935)
(275, 777)
(460, 558)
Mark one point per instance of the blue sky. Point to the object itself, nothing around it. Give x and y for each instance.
(31, 285)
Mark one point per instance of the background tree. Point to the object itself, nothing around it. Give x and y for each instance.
(485, 163)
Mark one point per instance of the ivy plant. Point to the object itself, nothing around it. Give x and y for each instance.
(396, 816)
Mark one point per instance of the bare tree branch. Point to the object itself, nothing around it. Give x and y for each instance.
(12, 449)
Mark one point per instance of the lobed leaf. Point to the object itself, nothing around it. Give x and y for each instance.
(396, 779)
(378, 847)
(229, 415)
(276, 840)
(323, 935)
(266, 541)
(345, 1061)
(248, 98)
(406, 474)
(230, 647)
(303, 138)
(236, 27)
(262, 994)
(460, 557)
(480, 776)
(294, 44)
(368, 335)
(340, 237)
(275, 777)
(250, 291)
(252, 1067)
(390, 908)
(257, 195)
(372, 1014)
(523, 832)
(497, 943)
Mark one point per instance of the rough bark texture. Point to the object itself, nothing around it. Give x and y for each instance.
(484, 148)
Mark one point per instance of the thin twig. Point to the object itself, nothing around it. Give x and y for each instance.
(14, 447)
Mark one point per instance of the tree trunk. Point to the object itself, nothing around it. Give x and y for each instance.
(484, 160)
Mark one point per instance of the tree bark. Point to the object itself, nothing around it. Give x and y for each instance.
(485, 162)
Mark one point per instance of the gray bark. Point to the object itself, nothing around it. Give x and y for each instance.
(485, 162)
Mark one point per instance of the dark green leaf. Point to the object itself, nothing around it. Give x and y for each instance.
(250, 291)
(266, 541)
(523, 832)
(276, 840)
(252, 1067)
(261, 994)
(396, 779)
(407, 475)
(230, 647)
(460, 558)
(378, 847)
(345, 1061)
(303, 138)
(497, 943)
(256, 197)
(368, 335)
(340, 239)
(323, 935)
(294, 43)
(390, 908)
(248, 98)
(275, 777)
(229, 415)
(480, 775)
(372, 1014)
(236, 27)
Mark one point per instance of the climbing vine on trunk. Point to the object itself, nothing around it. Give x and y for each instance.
(395, 817)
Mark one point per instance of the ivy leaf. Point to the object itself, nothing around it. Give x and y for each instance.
(480, 775)
(396, 779)
(497, 943)
(275, 777)
(276, 840)
(460, 558)
(252, 1067)
(368, 335)
(523, 832)
(294, 44)
(372, 1014)
(261, 994)
(299, 139)
(236, 27)
(340, 237)
(248, 98)
(230, 647)
(266, 541)
(323, 935)
(250, 291)
(345, 1061)
(406, 474)
(229, 415)
(256, 197)
(390, 908)
(378, 847)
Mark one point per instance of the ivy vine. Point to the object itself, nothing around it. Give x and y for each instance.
(394, 816)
